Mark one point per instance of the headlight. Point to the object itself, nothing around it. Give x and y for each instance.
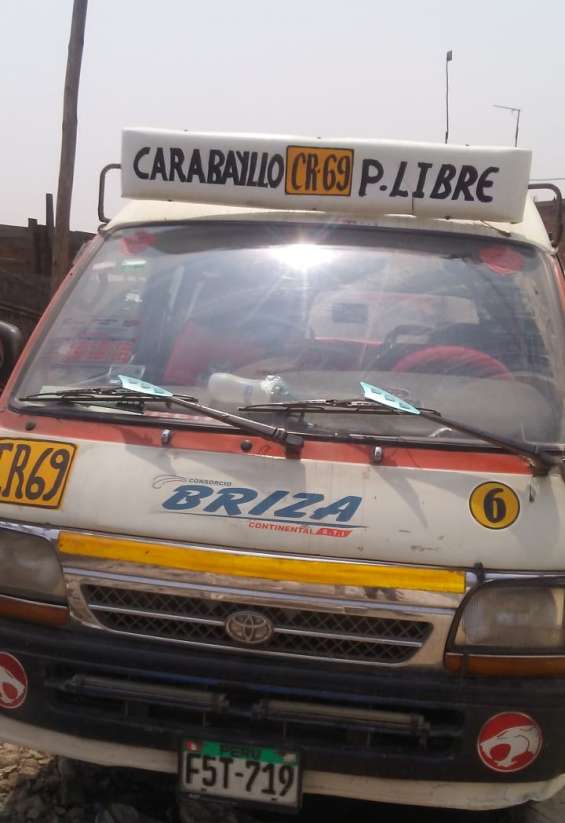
(513, 617)
(510, 629)
(29, 567)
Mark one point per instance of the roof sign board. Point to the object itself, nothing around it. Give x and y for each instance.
(366, 177)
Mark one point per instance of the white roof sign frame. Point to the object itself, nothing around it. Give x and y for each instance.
(356, 177)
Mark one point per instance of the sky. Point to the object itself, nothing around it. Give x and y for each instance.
(361, 68)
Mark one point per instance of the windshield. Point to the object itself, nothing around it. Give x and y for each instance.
(240, 313)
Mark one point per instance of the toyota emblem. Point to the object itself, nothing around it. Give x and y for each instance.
(249, 627)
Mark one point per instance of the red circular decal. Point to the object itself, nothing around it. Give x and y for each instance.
(13, 682)
(509, 742)
(138, 242)
(502, 259)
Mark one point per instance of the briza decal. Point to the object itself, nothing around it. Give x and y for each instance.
(304, 509)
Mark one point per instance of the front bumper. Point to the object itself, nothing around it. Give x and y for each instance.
(454, 795)
(124, 701)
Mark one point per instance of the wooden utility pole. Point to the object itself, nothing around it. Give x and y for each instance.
(60, 262)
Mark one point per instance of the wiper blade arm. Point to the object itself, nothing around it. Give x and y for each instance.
(104, 394)
(325, 405)
(292, 442)
(97, 394)
(541, 461)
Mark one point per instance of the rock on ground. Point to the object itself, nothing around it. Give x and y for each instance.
(37, 787)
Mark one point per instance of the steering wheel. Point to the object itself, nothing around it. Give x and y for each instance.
(453, 360)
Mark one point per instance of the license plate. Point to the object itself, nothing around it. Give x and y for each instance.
(34, 472)
(255, 774)
(316, 171)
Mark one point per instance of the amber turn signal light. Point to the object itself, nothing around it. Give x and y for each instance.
(31, 611)
(505, 666)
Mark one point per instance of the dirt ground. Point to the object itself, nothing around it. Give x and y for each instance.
(37, 787)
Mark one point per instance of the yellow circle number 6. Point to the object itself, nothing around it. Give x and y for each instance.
(494, 505)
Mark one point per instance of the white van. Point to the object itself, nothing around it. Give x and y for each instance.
(282, 494)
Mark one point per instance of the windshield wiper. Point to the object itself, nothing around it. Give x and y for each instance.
(377, 401)
(128, 396)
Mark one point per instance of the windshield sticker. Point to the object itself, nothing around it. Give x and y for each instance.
(303, 509)
(34, 472)
(494, 505)
(97, 350)
(142, 386)
(502, 259)
(138, 242)
(126, 369)
(387, 399)
(103, 265)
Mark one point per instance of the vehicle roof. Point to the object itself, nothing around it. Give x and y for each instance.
(139, 212)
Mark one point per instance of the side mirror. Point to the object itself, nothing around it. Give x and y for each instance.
(11, 343)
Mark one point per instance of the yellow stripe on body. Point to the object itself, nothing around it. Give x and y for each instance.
(340, 573)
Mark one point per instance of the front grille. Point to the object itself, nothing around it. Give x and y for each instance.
(329, 720)
(297, 632)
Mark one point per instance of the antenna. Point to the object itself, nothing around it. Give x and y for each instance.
(448, 59)
(514, 110)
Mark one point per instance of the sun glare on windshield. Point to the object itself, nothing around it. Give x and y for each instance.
(302, 256)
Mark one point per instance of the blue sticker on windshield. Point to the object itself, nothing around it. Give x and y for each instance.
(141, 386)
(387, 399)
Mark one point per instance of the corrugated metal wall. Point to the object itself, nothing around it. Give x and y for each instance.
(25, 269)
